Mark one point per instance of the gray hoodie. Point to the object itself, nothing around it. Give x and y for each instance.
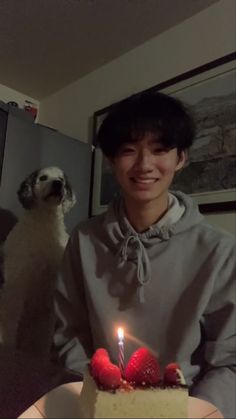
(171, 287)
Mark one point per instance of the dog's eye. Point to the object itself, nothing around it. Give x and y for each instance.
(43, 177)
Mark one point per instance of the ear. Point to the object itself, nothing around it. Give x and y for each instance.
(182, 158)
(25, 192)
(70, 198)
(110, 161)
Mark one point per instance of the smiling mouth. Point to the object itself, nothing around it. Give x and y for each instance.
(144, 181)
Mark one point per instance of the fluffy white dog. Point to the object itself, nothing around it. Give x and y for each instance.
(32, 253)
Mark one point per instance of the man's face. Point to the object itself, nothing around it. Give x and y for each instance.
(145, 169)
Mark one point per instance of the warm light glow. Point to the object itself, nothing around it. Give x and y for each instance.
(120, 333)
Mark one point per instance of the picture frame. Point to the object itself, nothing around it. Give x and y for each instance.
(210, 91)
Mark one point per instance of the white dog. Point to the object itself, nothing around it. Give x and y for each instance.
(32, 253)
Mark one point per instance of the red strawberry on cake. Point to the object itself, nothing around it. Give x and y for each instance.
(143, 368)
(104, 372)
(99, 357)
(109, 376)
(173, 375)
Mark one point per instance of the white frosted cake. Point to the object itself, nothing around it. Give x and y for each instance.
(140, 393)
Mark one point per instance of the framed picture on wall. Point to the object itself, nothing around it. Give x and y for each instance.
(210, 173)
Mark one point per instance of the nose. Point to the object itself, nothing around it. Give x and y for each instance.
(57, 185)
(144, 161)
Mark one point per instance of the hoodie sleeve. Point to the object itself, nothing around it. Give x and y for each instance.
(72, 336)
(218, 382)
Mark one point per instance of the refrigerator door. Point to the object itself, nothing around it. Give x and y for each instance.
(29, 147)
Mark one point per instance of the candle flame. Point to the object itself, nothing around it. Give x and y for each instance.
(120, 333)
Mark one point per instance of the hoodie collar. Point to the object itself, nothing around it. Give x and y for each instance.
(133, 245)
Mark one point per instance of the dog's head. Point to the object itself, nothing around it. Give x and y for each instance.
(47, 187)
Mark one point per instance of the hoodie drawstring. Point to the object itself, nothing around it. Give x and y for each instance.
(143, 263)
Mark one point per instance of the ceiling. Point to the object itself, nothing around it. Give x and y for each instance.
(47, 44)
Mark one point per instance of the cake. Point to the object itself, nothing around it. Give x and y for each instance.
(141, 391)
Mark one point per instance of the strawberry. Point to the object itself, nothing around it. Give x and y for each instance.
(109, 376)
(98, 359)
(143, 368)
(100, 353)
(172, 374)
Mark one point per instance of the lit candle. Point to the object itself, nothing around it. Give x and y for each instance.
(120, 333)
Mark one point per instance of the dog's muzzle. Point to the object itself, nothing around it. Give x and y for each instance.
(57, 185)
(57, 189)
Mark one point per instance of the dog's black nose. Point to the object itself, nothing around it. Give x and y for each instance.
(57, 185)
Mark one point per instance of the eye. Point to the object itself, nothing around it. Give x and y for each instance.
(160, 150)
(127, 150)
(43, 178)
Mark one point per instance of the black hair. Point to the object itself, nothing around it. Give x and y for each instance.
(164, 116)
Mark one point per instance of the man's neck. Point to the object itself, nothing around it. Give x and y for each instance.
(141, 217)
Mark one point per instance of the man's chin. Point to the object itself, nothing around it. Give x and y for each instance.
(145, 198)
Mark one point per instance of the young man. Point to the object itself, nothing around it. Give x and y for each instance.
(151, 263)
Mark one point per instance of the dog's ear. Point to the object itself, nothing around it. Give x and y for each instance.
(25, 192)
(70, 198)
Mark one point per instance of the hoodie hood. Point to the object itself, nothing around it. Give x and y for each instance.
(134, 246)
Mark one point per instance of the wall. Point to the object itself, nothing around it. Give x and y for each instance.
(208, 35)
(7, 95)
